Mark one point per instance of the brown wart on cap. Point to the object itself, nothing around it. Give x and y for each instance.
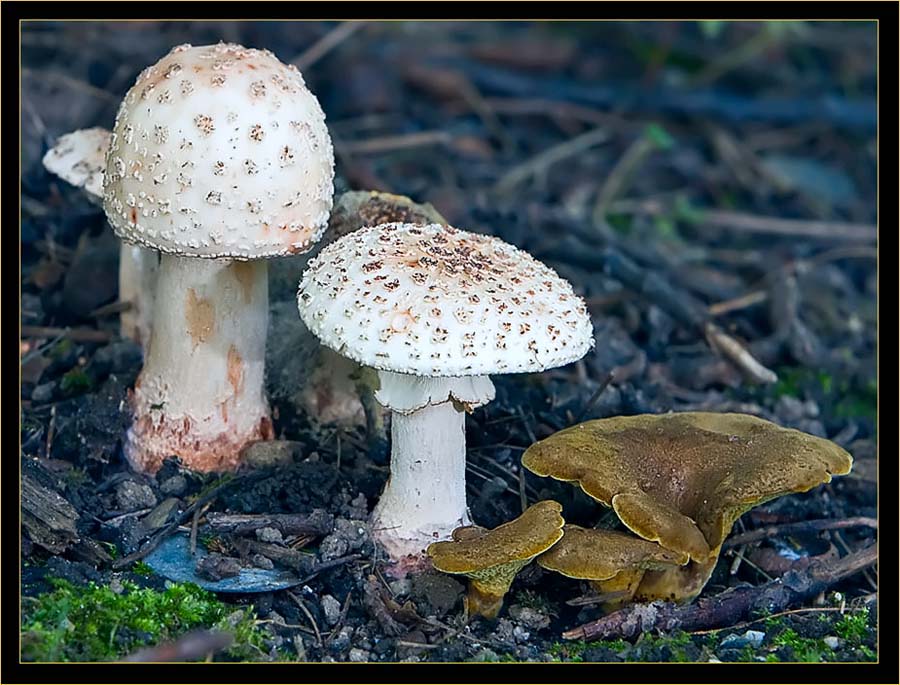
(683, 479)
(490, 559)
(219, 155)
(436, 310)
(79, 158)
(615, 562)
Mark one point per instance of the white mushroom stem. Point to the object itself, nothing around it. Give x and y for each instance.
(138, 267)
(425, 498)
(200, 394)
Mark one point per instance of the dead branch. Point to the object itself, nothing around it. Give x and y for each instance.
(729, 607)
(799, 527)
(319, 522)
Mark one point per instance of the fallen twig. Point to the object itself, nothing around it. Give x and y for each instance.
(729, 607)
(189, 647)
(799, 527)
(319, 522)
(327, 43)
(74, 334)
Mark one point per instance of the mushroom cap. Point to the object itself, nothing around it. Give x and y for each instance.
(591, 554)
(79, 158)
(438, 301)
(358, 208)
(220, 151)
(474, 550)
(683, 479)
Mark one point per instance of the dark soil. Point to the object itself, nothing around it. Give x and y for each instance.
(717, 198)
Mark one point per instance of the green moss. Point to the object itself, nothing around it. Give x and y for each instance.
(93, 623)
(676, 643)
(846, 398)
(805, 649)
(75, 381)
(142, 569)
(573, 651)
(853, 626)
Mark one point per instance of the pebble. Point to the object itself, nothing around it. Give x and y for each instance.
(832, 641)
(132, 496)
(269, 534)
(261, 561)
(270, 453)
(359, 655)
(754, 638)
(43, 392)
(173, 486)
(528, 617)
(332, 609)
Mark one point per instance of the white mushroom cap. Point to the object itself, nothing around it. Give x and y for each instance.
(438, 301)
(79, 158)
(220, 151)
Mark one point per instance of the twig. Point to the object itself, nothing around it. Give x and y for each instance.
(799, 527)
(549, 157)
(728, 607)
(326, 44)
(188, 647)
(75, 334)
(604, 384)
(619, 177)
(326, 565)
(738, 303)
(312, 621)
(318, 522)
(116, 307)
(738, 355)
(399, 142)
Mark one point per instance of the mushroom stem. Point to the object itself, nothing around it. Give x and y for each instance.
(200, 394)
(425, 498)
(138, 267)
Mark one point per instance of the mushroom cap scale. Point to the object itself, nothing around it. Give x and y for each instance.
(79, 158)
(220, 151)
(438, 301)
(685, 478)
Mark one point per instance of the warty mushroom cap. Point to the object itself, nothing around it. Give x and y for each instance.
(492, 558)
(79, 158)
(683, 479)
(438, 301)
(220, 151)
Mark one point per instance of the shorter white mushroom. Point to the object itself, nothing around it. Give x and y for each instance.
(79, 158)
(436, 310)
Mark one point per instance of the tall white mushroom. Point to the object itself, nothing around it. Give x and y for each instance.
(79, 158)
(219, 158)
(436, 310)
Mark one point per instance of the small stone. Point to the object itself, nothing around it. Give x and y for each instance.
(753, 638)
(332, 609)
(528, 617)
(270, 453)
(269, 534)
(832, 641)
(401, 587)
(520, 634)
(175, 485)
(116, 585)
(349, 536)
(132, 496)
(217, 566)
(261, 561)
(43, 392)
(358, 655)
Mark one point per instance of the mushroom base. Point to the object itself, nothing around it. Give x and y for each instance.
(200, 395)
(148, 444)
(425, 498)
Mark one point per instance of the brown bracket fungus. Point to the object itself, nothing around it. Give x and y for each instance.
(436, 310)
(79, 158)
(615, 562)
(219, 159)
(490, 559)
(683, 479)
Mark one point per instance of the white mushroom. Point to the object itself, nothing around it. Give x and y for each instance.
(219, 156)
(436, 310)
(79, 158)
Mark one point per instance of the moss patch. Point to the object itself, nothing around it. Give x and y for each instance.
(94, 623)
